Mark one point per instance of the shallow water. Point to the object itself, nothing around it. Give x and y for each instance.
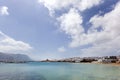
(58, 71)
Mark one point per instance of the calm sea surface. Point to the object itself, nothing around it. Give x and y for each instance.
(58, 71)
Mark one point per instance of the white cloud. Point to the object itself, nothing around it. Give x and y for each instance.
(107, 48)
(106, 41)
(71, 24)
(86, 4)
(10, 45)
(53, 5)
(61, 49)
(82, 5)
(103, 42)
(4, 10)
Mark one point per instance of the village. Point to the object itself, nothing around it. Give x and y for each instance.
(105, 59)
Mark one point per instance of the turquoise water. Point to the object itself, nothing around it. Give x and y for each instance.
(58, 71)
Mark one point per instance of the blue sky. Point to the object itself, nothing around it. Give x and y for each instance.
(45, 29)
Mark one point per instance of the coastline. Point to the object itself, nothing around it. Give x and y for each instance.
(95, 62)
(112, 64)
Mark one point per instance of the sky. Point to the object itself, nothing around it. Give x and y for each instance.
(55, 29)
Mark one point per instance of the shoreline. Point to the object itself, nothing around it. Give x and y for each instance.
(112, 64)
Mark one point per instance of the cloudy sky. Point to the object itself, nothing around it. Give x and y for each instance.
(60, 28)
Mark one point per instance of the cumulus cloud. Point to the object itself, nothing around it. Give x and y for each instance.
(104, 41)
(10, 45)
(106, 48)
(107, 40)
(53, 5)
(102, 38)
(4, 10)
(71, 24)
(86, 4)
(61, 49)
(81, 5)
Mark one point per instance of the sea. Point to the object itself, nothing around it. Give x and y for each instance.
(58, 71)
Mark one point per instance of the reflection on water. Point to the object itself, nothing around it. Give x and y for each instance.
(58, 71)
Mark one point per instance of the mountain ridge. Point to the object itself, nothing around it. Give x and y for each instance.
(14, 58)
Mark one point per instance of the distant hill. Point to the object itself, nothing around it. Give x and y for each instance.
(13, 58)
